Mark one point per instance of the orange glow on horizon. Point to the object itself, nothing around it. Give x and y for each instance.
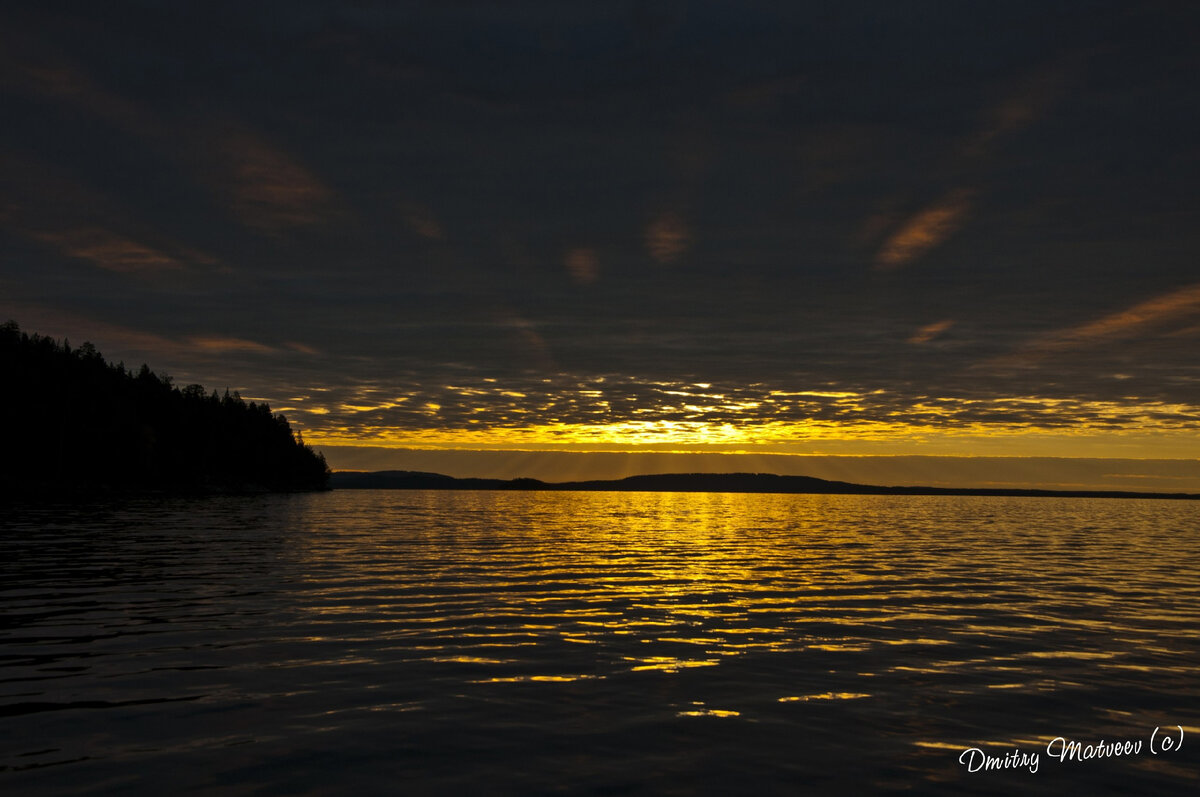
(867, 438)
(705, 418)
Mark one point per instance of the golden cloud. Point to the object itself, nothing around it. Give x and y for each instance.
(583, 265)
(30, 66)
(930, 331)
(220, 345)
(108, 250)
(269, 190)
(924, 231)
(667, 237)
(1024, 104)
(110, 336)
(1139, 319)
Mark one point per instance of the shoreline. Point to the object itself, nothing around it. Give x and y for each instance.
(707, 483)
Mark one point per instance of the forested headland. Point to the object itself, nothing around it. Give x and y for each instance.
(73, 421)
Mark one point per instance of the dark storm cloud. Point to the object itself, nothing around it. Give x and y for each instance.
(384, 205)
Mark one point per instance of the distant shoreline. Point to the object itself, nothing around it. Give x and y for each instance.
(703, 482)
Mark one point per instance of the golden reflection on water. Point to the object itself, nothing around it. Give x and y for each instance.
(576, 641)
(669, 582)
(825, 696)
(928, 625)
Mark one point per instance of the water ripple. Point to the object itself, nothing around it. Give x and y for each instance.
(640, 643)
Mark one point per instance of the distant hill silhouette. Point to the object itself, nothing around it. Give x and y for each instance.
(70, 421)
(697, 483)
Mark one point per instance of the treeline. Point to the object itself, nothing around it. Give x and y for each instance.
(72, 420)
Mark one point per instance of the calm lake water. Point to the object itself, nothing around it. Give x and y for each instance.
(396, 642)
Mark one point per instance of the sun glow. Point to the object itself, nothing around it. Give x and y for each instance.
(778, 437)
(610, 413)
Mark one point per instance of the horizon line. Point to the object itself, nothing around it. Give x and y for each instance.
(518, 484)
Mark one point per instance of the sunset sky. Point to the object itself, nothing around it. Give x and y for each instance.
(879, 229)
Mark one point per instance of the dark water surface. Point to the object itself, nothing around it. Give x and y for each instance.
(395, 642)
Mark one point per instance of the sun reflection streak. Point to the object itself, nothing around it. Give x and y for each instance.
(698, 586)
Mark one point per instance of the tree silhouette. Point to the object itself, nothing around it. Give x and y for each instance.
(70, 418)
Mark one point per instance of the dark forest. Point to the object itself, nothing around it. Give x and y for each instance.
(74, 421)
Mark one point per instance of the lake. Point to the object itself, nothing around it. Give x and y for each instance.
(419, 642)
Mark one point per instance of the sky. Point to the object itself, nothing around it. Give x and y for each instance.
(690, 235)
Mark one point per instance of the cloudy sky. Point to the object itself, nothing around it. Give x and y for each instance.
(882, 228)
